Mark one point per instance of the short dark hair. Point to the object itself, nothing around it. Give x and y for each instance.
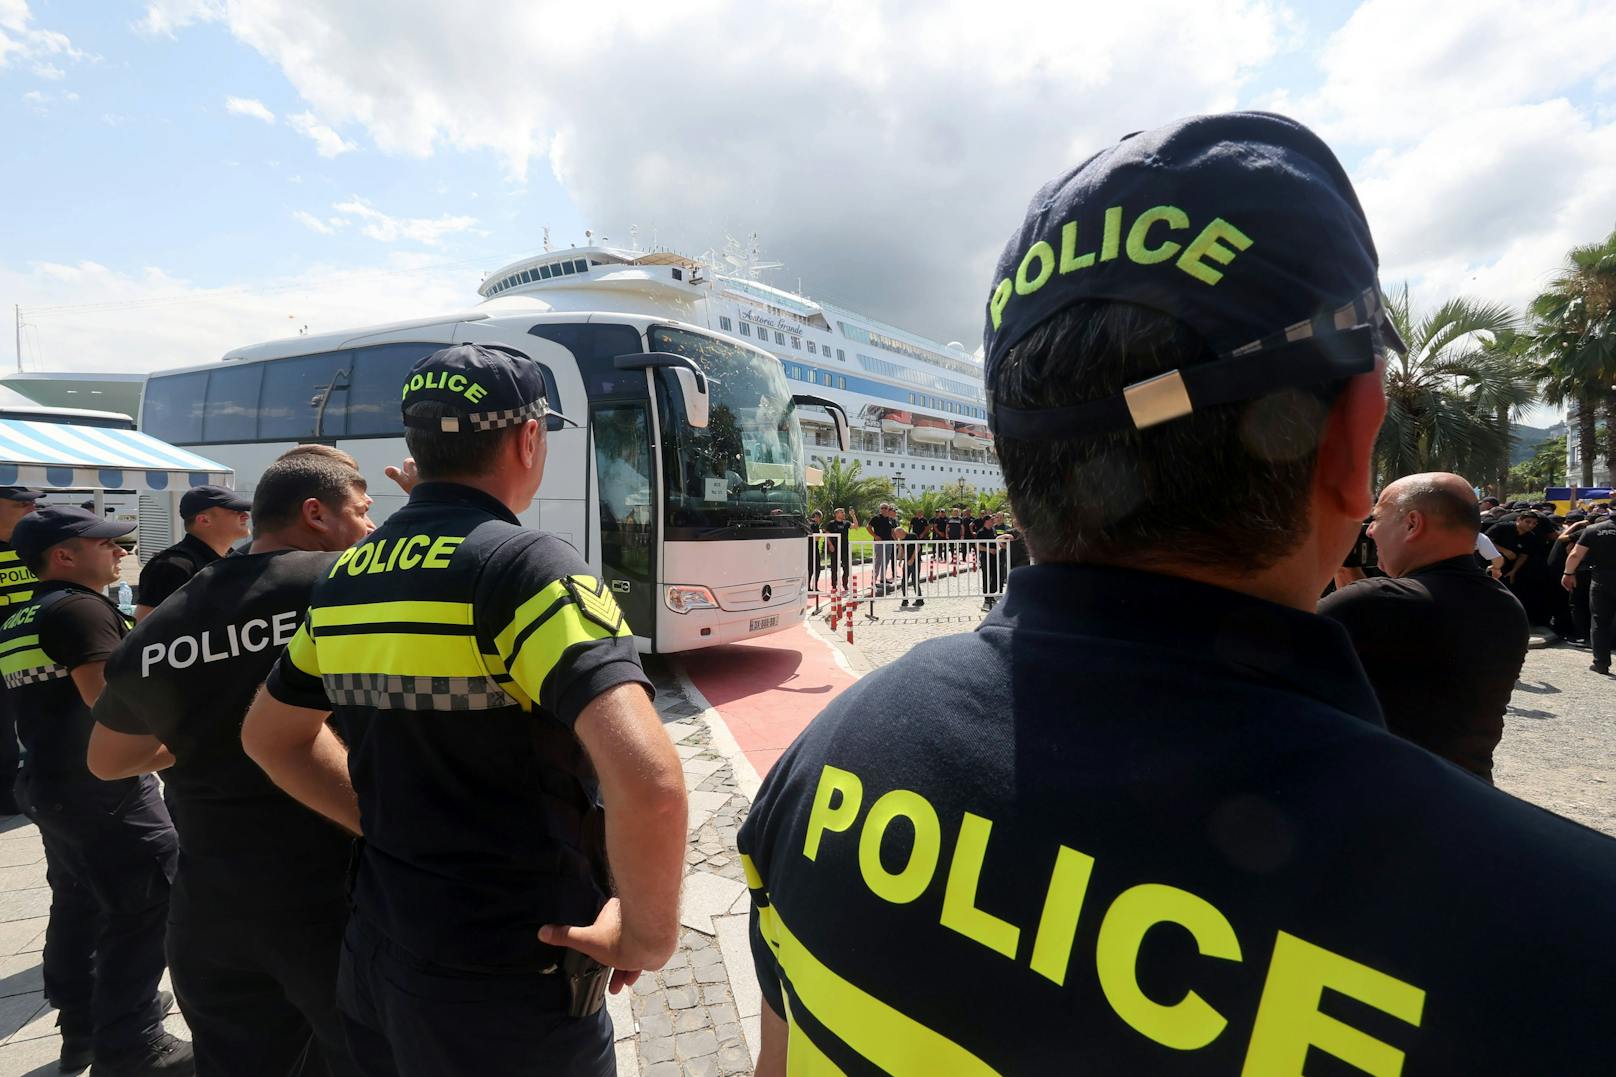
(292, 480)
(314, 448)
(446, 456)
(1448, 507)
(1120, 497)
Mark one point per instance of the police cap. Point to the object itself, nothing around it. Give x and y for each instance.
(20, 493)
(1242, 226)
(202, 498)
(488, 387)
(39, 531)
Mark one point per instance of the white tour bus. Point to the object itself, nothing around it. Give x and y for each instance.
(684, 487)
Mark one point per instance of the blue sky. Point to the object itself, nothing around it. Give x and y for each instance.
(883, 151)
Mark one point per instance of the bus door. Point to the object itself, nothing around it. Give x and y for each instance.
(624, 461)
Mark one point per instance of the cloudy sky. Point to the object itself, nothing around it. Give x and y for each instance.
(199, 174)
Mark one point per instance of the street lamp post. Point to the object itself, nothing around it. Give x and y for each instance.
(897, 482)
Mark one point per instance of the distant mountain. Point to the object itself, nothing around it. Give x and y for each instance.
(1528, 438)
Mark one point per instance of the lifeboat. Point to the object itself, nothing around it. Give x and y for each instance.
(970, 436)
(896, 422)
(930, 431)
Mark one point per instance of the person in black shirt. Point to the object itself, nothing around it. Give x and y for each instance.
(1441, 640)
(909, 565)
(841, 527)
(1595, 553)
(1514, 538)
(990, 558)
(881, 528)
(260, 899)
(1212, 857)
(215, 518)
(109, 846)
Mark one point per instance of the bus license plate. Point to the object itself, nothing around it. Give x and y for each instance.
(760, 623)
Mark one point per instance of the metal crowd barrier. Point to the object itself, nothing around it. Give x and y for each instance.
(890, 572)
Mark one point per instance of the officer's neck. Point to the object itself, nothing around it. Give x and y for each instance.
(212, 542)
(89, 584)
(289, 538)
(510, 488)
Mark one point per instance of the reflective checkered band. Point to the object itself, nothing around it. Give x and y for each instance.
(37, 675)
(385, 692)
(1368, 309)
(496, 420)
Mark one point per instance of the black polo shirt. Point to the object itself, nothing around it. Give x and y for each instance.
(1443, 647)
(841, 529)
(881, 527)
(1600, 542)
(173, 568)
(186, 675)
(1211, 858)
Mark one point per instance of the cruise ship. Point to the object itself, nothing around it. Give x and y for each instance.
(916, 407)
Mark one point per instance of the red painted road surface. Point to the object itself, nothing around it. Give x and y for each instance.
(767, 690)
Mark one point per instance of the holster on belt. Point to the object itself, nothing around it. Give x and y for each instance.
(586, 983)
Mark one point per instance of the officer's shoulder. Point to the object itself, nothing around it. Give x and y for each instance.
(1373, 591)
(528, 550)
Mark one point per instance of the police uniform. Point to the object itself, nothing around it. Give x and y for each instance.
(171, 569)
(1214, 858)
(1600, 559)
(260, 900)
(16, 588)
(109, 846)
(456, 649)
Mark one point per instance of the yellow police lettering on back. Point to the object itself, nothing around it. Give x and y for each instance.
(386, 555)
(1287, 1025)
(441, 379)
(1146, 241)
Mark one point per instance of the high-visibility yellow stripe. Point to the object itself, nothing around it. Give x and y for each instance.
(527, 613)
(754, 881)
(803, 1056)
(301, 653)
(542, 650)
(20, 641)
(890, 1040)
(33, 658)
(437, 613)
(401, 653)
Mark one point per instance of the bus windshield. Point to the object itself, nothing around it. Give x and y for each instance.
(745, 470)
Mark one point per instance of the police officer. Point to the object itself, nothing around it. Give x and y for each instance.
(523, 812)
(1596, 550)
(1214, 859)
(109, 846)
(16, 587)
(260, 900)
(216, 518)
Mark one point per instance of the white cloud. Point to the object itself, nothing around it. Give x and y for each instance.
(20, 39)
(249, 106)
(884, 149)
(379, 226)
(326, 140)
(151, 319)
(167, 16)
(326, 227)
(36, 97)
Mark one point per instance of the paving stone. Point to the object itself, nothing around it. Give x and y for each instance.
(714, 994)
(696, 1044)
(681, 998)
(702, 806)
(27, 904)
(729, 1033)
(16, 1011)
(705, 1066)
(711, 974)
(675, 977)
(736, 947)
(646, 985)
(664, 1069)
(723, 1013)
(705, 895)
(679, 731)
(621, 1009)
(692, 1020)
(20, 975)
(17, 934)
(656, 1025)
(705, 956)
(732, 1059)
(657, 1049)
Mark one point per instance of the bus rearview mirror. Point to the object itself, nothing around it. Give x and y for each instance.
(837, 415)
(695, 397)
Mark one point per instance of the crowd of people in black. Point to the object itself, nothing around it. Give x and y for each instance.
(905, 551)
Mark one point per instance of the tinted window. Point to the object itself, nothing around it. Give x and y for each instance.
(544, 272)
(376, 387)
(232, 411)
(594, 347)
(173, 407)
(581, 266)
(290, 385)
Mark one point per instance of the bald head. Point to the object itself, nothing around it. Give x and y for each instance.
(1422, 519)
(1446, 499)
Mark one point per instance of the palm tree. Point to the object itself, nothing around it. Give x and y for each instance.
(1574, 322)
(1445, 394)
(1512, 349)
(844, 488)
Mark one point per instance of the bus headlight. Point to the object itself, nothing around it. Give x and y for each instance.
(683, 599)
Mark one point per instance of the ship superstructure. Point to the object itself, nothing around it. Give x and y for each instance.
(916, 406)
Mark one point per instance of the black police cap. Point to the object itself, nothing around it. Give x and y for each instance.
(487, 386)
(39, 531)
(1243, 226)
(20, 493)
(202, 498)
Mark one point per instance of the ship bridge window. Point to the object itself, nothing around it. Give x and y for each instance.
(527, 276)
(566, 269)
(678, 274)
(582, 266)
(544, 272)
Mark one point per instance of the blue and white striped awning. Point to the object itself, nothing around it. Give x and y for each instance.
(64, 457)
